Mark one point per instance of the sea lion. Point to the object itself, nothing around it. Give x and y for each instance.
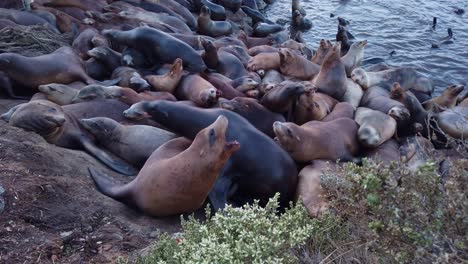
(300, 22)
(258, 115)
(322, 51)
(154, 43)
(294, 65)
(377, 98)
(217, 12)
(60, 126)
(169, 81)
(152, 19)
(464, 103)
(446, 100)
(375, 127)
(255, 15)
(131, 78)
(281, 99)
(342, 36)
(164, 188)
(244, 84)
(340, 110)
(331, 79)
(353, 94)
(211, 28)
(59, 93)
(252, 42)
(254, 177)
(262, 30)
(309, 190)
(133, 58)
(313, 106)
(108, 57)
(227, 91)
(301, 47)
(264, 61)
(313, 140)
(408, 78)
(230, 66)
(387, 152)
(354, 56)
(132, 143)
(454, 122)
(97, 70)
(270, 80)
(416, 151)
(82, 43)
(61, 66)
(196, 89)
(254, 51)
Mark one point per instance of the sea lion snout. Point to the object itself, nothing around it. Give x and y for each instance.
(399, 113)
(139, 84)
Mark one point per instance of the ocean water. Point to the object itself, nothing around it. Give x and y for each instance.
(402, 26)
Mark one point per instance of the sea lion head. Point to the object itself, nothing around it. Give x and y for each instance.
(286, 56)
(209, 97)
(40, 116)
(138, 83)
(287, 135)
(239, 104)
(177, 68)
(359, 76)
(92, 92)
(454, 90)
(399, 113)
(138, 111)
(99, 53)
(368, 136)
(58, 93)
(358, 45)
(397, 93)
(205, 11)
(100, 127)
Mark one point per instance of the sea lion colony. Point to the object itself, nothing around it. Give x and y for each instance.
(210, 100)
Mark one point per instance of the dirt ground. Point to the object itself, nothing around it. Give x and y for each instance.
(52, 211)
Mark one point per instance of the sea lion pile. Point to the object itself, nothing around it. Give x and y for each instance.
(211, 101)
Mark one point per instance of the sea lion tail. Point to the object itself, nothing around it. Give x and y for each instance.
(106, 187)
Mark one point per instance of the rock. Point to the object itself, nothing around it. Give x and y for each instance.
(2, 204)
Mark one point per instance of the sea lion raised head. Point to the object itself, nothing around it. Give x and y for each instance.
(287, 136)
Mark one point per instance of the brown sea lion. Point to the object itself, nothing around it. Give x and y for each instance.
(211, 28)
(162, 187)
(354, 57)
(294, 65)
(60, 125)
(59, 93)
(82, 43)
(446, 100)
(262, 49)
(378, 98)
(313, 140)
(332, 76)
(282, 98)
(313, 106)
(133, 143)
(301, 47)
(340, 110)
(309, 189)
(454, 122)
(61, 66)
(227, 91)
(131, 78)
(264, 61)
(196, 89)
(258, 115)
(375, 127)
(169, 81)
(324, 47)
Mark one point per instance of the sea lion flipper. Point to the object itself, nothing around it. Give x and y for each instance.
(104, 157)
(350, 36)
(106, 187)
(219, 192)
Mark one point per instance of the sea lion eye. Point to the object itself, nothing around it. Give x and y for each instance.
(289, 132)
(212, 137)
(51, 110)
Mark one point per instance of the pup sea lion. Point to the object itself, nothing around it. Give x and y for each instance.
(196, 89)
(454, 122)
(61, 66)
(258, 115)
(217, 11)
(255, 177)
(313, 106)
(340, 110)
(313, 140)
(211, 28)
(294, 65)
(133, 58)
(354, 57)
(375, 127)
(331, 79)
(163, 187)
(60, 126)
(154, 43)
(133, 143)
(169, 81)
(446, 100)
(377, 98)
(270, 80)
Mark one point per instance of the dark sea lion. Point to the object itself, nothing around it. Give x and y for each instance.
(131, 78)
(454, 122)
(233, 5)
(238, 51)
(251, 42)
(97, 70)
(264, 61)
(313, 140)
(377, 98)
(82, 43)
(210, 54)
(132, 143)
(227, 91)
(244, 84)
(157, 44)
(309, 190)
(270, 80)
(262, 30)
(446, 100)
(226, 41)
(313, 106)
(375, 127)
(256, 16)
(294, 65)
(342, 36)
(296, 6)
(355, 55)
(254, 177)
(196, 89)
(133, 58)
(340, 110)
(107, 57)
(300, 22)
(25, 18)
(59, 93)
(386, 153)
(61, 66)
(332, 76)
(322, 51)
(301, 47)
(163, 187)
(282, 98)
(408, 78)
(60, 126)
(169, 81)
(211, 28)
(217, 12)
(152, 19)
(230, 66)
(258, 115)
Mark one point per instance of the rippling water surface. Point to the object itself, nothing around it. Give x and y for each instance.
(395, 25)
